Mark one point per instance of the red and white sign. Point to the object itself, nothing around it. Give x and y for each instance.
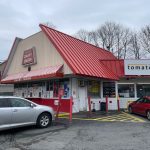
(61, 92)
(29, 57)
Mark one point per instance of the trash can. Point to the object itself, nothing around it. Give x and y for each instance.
(103, 106)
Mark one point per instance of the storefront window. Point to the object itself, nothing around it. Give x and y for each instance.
(21, 85)
(47, 86)
(35, 89)
(62, 84)
(35, 84)
(109, 89)
(94, 89)
(51, 85)
(44, 89)
(126, 90)
(56, 88)
(143, 90)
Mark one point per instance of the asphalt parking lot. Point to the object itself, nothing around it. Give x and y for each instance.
(112, 116)
(82, 134)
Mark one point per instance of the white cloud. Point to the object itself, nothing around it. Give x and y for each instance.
(22, 17)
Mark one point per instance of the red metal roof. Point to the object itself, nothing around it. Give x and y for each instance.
(116, 66)
(83, 58)
(48, 72)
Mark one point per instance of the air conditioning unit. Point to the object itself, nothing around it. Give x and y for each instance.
(81, 83)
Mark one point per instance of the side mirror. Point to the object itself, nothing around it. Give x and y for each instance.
(31, 105)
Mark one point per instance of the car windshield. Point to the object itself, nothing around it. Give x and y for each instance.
(140, 99)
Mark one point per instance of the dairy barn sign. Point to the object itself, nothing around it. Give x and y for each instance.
(137, 67)
(29, 57)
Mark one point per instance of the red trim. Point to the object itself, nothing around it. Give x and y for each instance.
(44, 73)
(136, 76)
(118, 104)
(47, 76)
(65, 103)
(82, 75)
(89, 104)
(70, 112)
(7, 82)
(106, 104)
(35, 78)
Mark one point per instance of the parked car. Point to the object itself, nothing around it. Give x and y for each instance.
(17, 112)
(141, 107)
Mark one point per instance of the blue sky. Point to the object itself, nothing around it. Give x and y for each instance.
(21, 18)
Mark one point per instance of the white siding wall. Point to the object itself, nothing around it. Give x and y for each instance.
(124, 101)
(6, 88)
(112, 103)
(74, 87)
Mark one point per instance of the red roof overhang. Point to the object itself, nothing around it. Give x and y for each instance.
(115, 66)
(44, 73)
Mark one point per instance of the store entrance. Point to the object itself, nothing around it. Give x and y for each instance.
(82, 98)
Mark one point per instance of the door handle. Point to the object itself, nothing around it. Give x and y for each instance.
(15, 110)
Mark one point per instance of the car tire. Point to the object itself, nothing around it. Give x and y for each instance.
(44, 120)
(130, 110)
(148, 114)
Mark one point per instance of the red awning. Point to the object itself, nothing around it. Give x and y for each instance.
(43, 73)
(14, 78)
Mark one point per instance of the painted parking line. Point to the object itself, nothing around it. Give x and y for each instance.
(135, 118)
(121, 117)
(63, 115)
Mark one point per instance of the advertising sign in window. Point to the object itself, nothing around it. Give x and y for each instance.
(94, 89)
(109, 89)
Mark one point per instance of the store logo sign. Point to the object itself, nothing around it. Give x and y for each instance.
(29, 57)
(137, 67)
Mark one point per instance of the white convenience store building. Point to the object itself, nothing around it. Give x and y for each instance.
(42, 64)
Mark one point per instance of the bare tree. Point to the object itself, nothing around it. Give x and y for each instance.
(114, 37)
(93, 38)
(119, 33)
(135, 46)
(119, 40)
(82, 35)
(126, 40)
(122, 42)
(106, 34)
(50, 24)
(145, 38)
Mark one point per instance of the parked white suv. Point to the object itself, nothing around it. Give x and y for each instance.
(17, 112)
